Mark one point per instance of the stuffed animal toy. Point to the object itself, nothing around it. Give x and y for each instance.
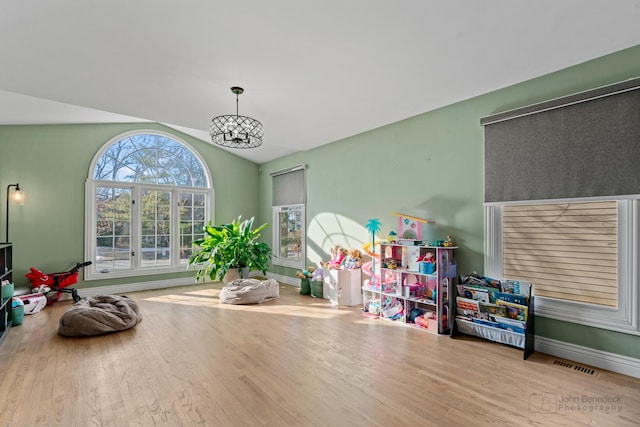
(306, 274)
(353, 260)
(317, 274)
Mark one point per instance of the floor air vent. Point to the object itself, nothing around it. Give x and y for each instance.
(578, 368)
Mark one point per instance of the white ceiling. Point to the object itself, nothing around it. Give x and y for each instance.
(313, 71)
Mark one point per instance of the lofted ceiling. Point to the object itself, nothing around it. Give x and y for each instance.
(313, 72)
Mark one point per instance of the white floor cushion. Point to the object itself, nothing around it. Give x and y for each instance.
(249, 291)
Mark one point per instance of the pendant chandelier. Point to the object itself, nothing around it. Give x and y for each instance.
(236, 131)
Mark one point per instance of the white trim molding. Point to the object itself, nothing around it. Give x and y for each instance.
(137, 286)
(601, 359)
(284, 279)
(166, 283)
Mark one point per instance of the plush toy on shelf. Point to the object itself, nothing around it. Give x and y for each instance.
(337, 257)
(448, 242)
(353, 260)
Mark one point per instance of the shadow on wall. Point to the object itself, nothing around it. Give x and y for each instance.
(327, 229)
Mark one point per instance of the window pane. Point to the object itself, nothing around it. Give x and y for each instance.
(113, 207)
(290, 230)
(192, 214)
(156, 228)
(151, 158)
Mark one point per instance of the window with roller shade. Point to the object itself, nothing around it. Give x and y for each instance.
(562, 204)
(288, 209)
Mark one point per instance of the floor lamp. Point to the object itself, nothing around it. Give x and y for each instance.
(18, 199)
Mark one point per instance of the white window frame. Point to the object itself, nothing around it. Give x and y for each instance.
(276, 258)
(92, 272)
(624, 318)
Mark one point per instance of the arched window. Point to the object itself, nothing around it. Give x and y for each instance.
(148, 198)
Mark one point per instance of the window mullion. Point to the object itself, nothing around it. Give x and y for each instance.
(135, 227)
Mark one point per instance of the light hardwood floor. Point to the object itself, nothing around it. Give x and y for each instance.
(295, 361)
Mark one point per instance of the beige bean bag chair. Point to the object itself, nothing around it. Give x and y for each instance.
(98, 315)
(249, 291)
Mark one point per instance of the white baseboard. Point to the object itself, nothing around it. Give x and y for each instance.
(134, 287)
(161, 284)
(589, 356)
(293, 281)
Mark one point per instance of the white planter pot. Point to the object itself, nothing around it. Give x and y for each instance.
(235, 273)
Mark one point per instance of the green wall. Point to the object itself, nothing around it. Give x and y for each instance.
(431, 166)
(51, 163)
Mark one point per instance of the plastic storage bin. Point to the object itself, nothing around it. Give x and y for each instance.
(17, 311)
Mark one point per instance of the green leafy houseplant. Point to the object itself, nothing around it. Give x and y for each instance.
(229, 246)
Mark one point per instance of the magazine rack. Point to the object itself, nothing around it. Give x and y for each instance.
(523, 340)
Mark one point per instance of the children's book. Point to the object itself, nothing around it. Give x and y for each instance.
(468, 307)
(514, 311)
(515, 287)
(511, 325)
(493, 309)
(479, 294)
(486, 322)
(513, 298)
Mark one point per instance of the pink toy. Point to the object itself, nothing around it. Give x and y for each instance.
(337, 257)
(428, 257)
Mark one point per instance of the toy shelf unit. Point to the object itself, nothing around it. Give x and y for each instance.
(413, 292)
(6, 273)
(503, 313)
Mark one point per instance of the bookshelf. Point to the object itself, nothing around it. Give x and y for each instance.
(6, 274)
(503, 315)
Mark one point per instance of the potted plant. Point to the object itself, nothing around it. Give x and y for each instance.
(229, 249)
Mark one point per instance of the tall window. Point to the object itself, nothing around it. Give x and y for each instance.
(289, 240)
(148, 197)
(561, 179)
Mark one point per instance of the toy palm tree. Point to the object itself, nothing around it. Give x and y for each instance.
(373, 227)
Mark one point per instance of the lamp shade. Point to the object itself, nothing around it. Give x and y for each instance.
(18, 197)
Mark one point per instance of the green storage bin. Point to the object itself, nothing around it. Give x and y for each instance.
(7, 291)
(305, 287)
(17, 312)
(316, 288)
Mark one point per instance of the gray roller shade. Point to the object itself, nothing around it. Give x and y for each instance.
(583, 145)
(289, 187)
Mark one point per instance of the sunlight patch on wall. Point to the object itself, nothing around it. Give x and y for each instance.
(327, 229)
